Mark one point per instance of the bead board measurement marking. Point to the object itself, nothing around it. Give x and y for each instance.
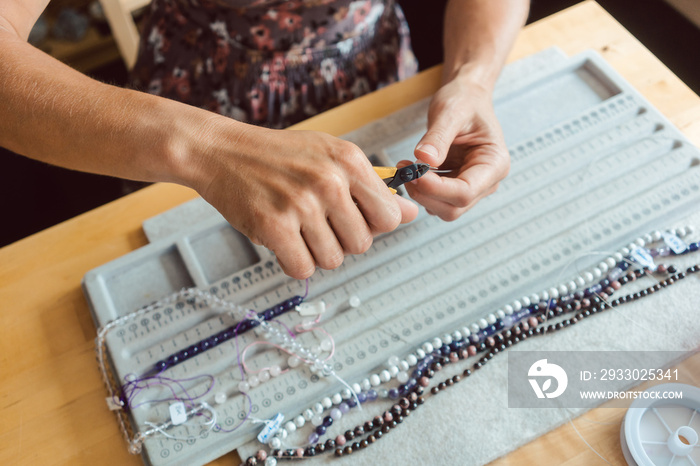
(602, 176)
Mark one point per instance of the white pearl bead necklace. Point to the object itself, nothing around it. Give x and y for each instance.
(398, 368)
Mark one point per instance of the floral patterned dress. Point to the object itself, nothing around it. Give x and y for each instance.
(272, 62)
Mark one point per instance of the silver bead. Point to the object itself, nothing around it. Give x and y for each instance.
(366, 384)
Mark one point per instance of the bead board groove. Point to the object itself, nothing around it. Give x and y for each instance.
(592, 167)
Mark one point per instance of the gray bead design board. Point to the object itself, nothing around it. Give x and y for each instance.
(593, 165)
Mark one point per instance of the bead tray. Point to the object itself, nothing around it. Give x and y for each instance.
(593, 165)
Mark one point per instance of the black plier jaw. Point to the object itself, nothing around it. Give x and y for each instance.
(395, 177)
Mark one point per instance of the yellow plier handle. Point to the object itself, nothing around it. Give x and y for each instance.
(386, 173)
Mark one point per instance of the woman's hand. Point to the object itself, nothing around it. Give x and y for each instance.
(465, 137)
(309, 197)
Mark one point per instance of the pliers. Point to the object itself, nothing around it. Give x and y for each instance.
(395, 177)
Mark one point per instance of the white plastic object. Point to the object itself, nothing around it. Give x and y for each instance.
(659, 431)
(312, 308)
(178, 413)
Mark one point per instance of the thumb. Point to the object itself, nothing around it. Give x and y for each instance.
(433, 147)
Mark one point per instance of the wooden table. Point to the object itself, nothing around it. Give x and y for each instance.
(52, 401)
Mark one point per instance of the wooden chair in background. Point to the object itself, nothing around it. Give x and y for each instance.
(119, 14)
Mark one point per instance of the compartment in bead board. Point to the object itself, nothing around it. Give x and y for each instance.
(222, 251)
(551, 99)
(134, 281)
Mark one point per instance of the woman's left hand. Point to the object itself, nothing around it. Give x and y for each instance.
(463, 136)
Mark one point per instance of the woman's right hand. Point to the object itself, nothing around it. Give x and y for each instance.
(309, 197)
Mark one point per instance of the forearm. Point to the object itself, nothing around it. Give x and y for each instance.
(478, 36)
(55, 114)
(307, 196)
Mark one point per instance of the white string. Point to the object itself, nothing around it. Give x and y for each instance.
(354, 395)
(584, 440)
(161, 428)
(255, 420)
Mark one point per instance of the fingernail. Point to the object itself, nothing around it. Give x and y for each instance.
(428, 149)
